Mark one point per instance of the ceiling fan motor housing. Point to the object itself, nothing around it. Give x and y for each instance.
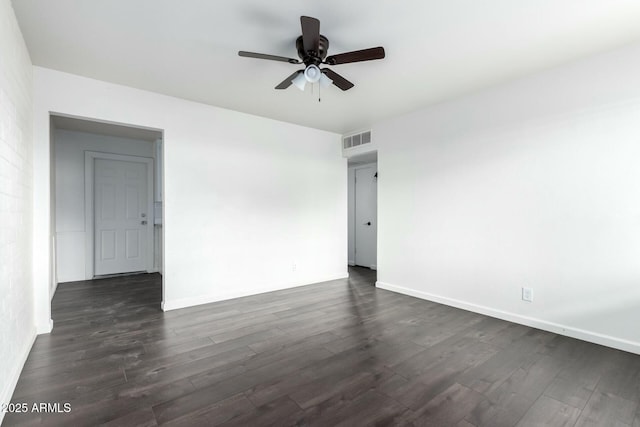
(312, 49)
(311, 57)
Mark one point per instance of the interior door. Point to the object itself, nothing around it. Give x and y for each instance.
(121, 219)
(366, 200)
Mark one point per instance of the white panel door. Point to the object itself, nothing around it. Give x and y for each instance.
(366, 216)
(121, 218)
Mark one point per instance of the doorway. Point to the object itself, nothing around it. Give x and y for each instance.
(363, 210)
(106, 199)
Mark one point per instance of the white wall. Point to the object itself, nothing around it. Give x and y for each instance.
(17, 329)
(70, 191)
(245, 198)
(535, 183)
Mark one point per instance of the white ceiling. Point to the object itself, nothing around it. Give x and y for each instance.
(436, 50)
(102, 128)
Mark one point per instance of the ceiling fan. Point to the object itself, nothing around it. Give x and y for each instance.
(312, 49)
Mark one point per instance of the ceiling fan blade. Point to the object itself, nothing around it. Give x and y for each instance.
(310, 33)
(270, 57)
(287, 82)
(338, 80)
(356, 56)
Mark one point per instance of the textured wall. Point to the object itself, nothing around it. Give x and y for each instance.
(16, 303)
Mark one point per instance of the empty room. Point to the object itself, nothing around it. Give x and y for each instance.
(320, 213)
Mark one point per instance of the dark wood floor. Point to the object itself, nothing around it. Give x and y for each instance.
(335, 353)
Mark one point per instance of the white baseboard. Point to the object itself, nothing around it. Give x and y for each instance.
(207, 299)
(373, 267)
(351, 262)
(44, 328)
(14, 376)
(581, 334)
(53, 292)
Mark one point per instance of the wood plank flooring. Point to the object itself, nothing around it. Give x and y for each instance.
(340, 353)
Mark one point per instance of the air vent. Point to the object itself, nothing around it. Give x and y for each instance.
(356, 140)
(366, 137)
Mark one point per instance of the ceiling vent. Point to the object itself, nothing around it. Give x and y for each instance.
(356, 140)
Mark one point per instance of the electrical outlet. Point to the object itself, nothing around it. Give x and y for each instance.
(527, 294)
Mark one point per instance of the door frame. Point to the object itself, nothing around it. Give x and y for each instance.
(89, 162)
(355, 211)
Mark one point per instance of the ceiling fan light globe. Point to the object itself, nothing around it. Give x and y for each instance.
(312, 73)
(299, 81)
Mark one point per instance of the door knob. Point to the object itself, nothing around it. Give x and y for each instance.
(367, 223)
(144, 223)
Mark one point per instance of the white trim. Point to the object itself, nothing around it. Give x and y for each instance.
(89, 160)
(157, 146)
(54, 264)
(351, 263)
(53, 292)
(364, 165)
(10, 385)
(46, 327)
(355, 208)
(581, 334)
(206, 299)
(373, 267)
